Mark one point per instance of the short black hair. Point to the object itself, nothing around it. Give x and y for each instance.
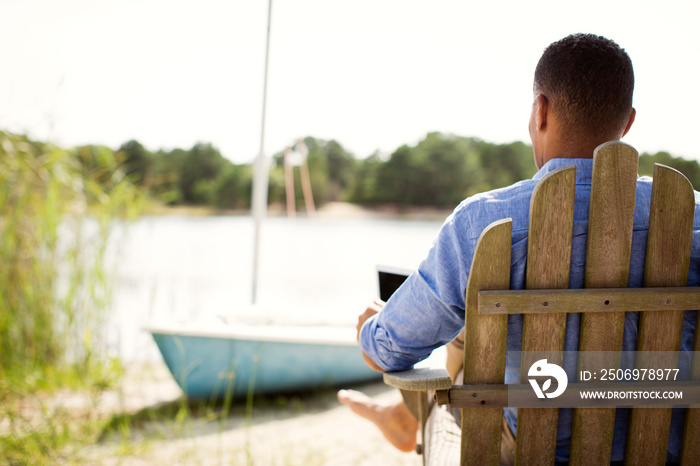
(588, 81)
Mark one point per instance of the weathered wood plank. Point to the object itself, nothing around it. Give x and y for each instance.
(668, 254)
(548, 263)
(419, 379)
(608, 251)
(590, 300)
(460, 396)
(611, 215)
(609, 243)
(417, 403)
(667, 262)
(485, 344)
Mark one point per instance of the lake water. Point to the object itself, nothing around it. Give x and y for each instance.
(180, 268)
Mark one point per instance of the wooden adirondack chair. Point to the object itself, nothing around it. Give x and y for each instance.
(545, 303)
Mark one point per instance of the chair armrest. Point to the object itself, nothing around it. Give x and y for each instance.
(419, 379)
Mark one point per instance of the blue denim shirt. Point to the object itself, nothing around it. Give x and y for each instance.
(427, 311)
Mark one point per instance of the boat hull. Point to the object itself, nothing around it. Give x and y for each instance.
(217, 366)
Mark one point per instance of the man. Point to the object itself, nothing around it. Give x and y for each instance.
(583, 90)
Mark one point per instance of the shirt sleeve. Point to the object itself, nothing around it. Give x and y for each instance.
(427, 311)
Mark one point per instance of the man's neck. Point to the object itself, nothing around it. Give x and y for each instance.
(571, 151)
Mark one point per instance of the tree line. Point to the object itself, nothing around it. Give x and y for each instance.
(439, 171)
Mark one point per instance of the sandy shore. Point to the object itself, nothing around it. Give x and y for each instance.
(329, 210)
(303, 429)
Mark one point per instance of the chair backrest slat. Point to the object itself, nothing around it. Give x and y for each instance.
(667, 261)
(548, 265)
(608, 251)
(485, 344)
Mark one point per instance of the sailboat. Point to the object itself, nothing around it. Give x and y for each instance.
(234, 358)
(220, 359)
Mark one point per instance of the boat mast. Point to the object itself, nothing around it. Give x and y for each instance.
(260, 171)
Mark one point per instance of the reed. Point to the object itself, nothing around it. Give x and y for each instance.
(56, 212)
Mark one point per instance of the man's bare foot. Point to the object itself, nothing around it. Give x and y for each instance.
(394, 421)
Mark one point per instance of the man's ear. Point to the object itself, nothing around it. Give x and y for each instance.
(633, 114)
(541, 112)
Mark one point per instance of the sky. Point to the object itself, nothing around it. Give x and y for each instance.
(372, 75)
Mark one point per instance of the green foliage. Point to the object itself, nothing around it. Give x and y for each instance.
(364, 187)
(198, 176)
(136, 162)
(56, 210)
(339, 165)
(165, 181)
(49, 281)
(504, 164)
(202, 164)
(441, 170)
(232, 188)
(690, 168)
(331, 171)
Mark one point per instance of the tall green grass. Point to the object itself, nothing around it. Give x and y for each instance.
(56, 212)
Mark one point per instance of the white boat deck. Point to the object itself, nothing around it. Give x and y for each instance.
(278, 332)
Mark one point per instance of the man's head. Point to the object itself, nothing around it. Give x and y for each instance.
(583, 92)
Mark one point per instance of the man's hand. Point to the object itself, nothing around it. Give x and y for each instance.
(371, 310)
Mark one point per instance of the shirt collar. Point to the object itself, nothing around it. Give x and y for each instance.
(584, 169)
